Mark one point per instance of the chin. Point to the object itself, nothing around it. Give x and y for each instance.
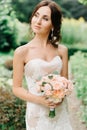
(36, 30)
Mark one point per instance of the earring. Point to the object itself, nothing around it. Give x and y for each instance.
(52, 33)
(53, 37)
(56, 43)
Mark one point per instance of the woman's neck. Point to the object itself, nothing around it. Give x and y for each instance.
(41, 40)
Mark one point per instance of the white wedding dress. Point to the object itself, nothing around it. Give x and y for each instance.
(37, 116)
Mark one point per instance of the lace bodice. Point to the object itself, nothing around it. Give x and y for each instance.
(39, 67)
(37, 115)
(36, 68)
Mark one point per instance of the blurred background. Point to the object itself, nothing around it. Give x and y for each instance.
(15, 31)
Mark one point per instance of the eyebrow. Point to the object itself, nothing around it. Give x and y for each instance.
(43, 15)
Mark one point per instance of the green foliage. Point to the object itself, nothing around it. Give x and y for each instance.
(24, 33)
(8, 30)
(79, 70)
(72, 50)
(75, 8)
(12, 111)
(74, 31)
(83, 2)
(8, 33)
(5, 7)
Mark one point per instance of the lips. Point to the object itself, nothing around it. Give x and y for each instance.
(37, 27)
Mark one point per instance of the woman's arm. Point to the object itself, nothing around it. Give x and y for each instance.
(18, 89)
(18, 72)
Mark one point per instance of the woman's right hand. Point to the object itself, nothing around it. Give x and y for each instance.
(46, 102)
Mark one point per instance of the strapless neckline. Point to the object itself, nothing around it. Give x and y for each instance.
(39, 59)
(38, 67)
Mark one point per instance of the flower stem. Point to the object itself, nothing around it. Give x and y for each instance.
(52, 112)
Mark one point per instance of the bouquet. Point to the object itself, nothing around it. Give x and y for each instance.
(55, 88)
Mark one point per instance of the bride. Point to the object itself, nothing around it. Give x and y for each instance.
(41, 56)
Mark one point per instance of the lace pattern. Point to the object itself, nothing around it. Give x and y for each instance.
(37, 115)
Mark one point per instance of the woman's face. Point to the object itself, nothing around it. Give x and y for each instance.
(41, 21)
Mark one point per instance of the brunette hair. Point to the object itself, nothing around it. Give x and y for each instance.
(56, 18)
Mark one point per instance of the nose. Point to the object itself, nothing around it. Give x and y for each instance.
(39, 20)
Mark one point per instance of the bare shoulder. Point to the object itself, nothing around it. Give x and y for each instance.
(62, 50)
(21, 52)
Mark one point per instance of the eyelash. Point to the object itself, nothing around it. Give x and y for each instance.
(45, 19)
(36, 15)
